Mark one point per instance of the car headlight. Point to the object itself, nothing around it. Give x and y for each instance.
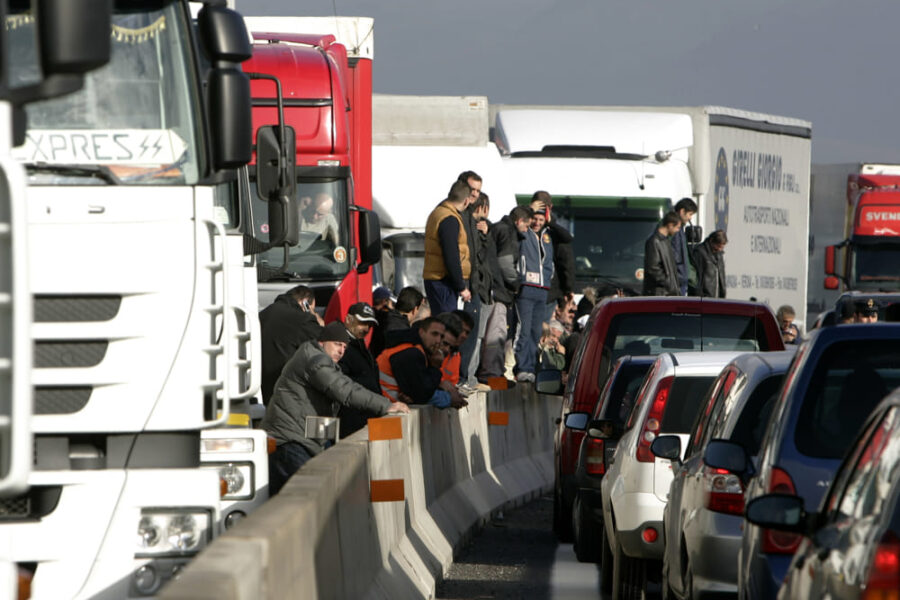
(238, 478)
(239, 445)
(172, 532)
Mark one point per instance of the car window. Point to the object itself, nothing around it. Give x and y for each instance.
(654, 333)
(849, 381)
(754, 417)
(642, 394)
(619, 396)
(869, 484)
(714, 397)
(685, 398)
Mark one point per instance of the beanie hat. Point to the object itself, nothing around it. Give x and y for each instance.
(334, 332)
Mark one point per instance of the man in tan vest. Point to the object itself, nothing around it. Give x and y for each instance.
(447, 263)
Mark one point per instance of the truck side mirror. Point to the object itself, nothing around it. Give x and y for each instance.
(693, 234)
(275, 183)
(369, 240)
(829, 262)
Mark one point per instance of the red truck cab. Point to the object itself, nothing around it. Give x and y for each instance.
(327, 102)
(642, 326)
(871, 250)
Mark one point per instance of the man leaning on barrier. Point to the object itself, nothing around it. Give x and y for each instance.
(312, 385)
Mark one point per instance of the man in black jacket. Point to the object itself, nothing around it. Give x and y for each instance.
(410, 369)
(660, 271)
(285, 324)
(358, 364)
(506, 235)
(709, 260)
(563, 282)
(409, 302)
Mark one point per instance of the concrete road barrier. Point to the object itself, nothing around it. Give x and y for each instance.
(326, 534)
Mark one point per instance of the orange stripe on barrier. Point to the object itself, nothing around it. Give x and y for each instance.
(387, 490)
(498, 383)
(385, 428)
(498, 418)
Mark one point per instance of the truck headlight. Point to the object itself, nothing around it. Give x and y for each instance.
(237, 476)
(237, 445)
(172, 532)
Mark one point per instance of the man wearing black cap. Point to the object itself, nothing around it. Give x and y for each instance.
(867, 311)
(358, 364)
(312, 385)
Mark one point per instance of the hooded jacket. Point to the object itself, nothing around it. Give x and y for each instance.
(536, 259)
(312, 385)
(506, 242)
(284, 325)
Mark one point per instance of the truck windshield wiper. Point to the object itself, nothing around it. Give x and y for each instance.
(265, 273)
(99, 171)
(614, 283)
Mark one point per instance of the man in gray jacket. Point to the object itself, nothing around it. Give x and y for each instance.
(312, 385)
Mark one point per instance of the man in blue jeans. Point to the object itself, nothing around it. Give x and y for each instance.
(535, 273)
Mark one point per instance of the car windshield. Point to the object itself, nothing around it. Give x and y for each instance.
(640, 334)
(322, 253)
(133, 122)
(849, 381)
(685, 398)
(874, 264)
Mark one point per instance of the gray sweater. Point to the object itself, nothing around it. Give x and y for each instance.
(312, 385)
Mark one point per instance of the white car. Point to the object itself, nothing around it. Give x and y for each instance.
(636, 486)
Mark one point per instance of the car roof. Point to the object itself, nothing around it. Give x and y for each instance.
(703, 359)
(654, 304)
(764, 362)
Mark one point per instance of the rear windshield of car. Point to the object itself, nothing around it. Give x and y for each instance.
(849, 381)
(755, 415)
(652, 333)
(623, 394)
(685, 398)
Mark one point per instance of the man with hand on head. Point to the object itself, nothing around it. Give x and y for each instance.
(312, 385)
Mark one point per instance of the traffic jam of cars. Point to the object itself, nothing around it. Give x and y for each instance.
(700, 455)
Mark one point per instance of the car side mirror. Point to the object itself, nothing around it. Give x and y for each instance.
(604, 429)
(667, 447)
(577, 420)
(783, 512)
(549, 382)
(728, 455)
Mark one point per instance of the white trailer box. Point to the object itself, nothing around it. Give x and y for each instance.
(748, 172)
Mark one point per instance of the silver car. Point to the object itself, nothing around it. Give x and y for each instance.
(704, 515)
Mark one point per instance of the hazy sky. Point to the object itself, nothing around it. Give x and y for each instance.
(832, 62)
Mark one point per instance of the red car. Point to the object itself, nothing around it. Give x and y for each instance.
(641, 326)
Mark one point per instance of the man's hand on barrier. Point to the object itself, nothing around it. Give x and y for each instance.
(457, 401)
(400, 408)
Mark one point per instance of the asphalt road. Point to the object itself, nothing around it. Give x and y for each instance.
(517, 556)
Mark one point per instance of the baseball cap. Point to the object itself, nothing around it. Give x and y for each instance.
(363, 313)
(335, 332)
(381, 293)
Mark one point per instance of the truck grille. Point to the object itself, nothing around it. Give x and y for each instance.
(59, 354)
(61, 400)
(75, 309)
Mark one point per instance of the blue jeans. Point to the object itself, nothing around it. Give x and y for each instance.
(441, 297)
(284, 462)
(531, 304)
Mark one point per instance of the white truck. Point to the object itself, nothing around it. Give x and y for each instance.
(614, 170)
(144, 302)
(420, 144)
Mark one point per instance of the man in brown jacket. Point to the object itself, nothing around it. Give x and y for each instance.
(447, 261)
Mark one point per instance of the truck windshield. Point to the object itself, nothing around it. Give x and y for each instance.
(609, 236)
(322, 253)
(134, 122)
(875, 264)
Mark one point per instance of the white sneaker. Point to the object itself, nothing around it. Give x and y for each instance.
(525, 377)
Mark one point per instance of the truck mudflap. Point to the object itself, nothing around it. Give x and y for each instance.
(86, 547)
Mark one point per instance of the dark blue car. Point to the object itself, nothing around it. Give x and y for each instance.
(838, 377)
